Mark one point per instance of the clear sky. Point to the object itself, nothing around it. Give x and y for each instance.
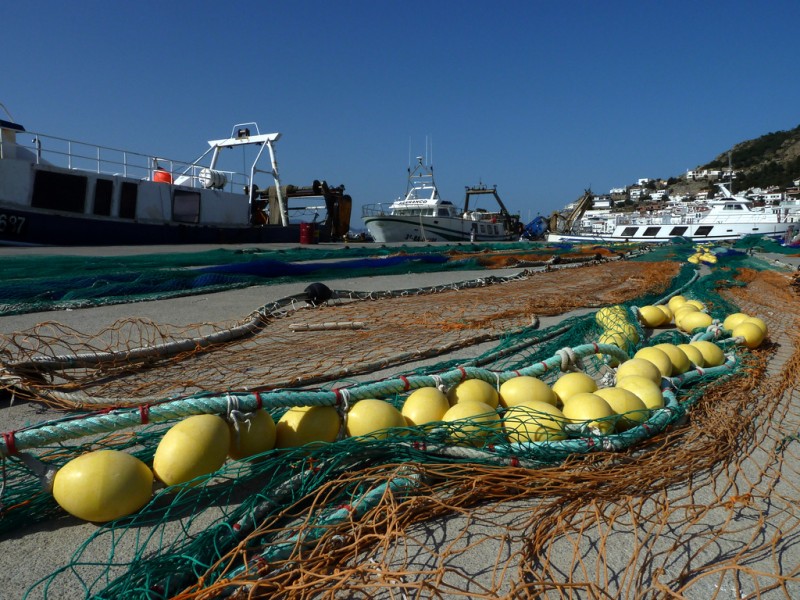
(542, 99)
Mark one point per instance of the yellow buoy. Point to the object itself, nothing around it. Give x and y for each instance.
(590, 410)
(712, 354)
(694, 355)
(522, 389)
(658, 357)
(628, 330)
(196, 446)
(474, 390)
(615, 338)
(301, 425)
(256, 434)
(647, 391)
(651, 316)
(694, 320)
(641, 367)
(694, 259)
(373, 418)
(667, 313)
(680, 362)
(682, 311)
(103, 485)
(708, 257)
(479, 421)
(696, 303)
(750, 332)
(534, 421)
(675, 302)
(625, 403)
(761, 324)
(609, 316)
(733, 320)
(570, 384)
(425, 405)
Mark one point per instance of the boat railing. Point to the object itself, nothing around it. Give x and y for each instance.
(82, 156)
(375, 210)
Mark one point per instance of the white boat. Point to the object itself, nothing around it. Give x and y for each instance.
(422, 216)
(727, 219)
(60, 192)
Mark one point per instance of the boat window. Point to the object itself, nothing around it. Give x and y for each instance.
(186, 207)
(704, 230)
(651, 231)
(103, 189)
(629, 231)
(59, 191)
(127, 200)
(678, 230)
(443, 212)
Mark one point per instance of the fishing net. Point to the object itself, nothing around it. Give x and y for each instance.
(698, 501)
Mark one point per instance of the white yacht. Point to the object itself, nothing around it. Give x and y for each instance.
(422, 216)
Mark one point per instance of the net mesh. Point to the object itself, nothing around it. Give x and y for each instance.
(703, 508)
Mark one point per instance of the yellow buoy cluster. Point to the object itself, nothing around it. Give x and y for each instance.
(703, 254)
(105, 485)
(751, 330)
(687, 315)
(617, 329)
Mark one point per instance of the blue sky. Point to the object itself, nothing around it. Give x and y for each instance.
(542, 99)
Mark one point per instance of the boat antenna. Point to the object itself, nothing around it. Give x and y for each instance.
(3, 106)
(730, 171)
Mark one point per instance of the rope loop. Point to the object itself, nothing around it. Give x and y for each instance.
(342, 407)
(569, 360)
(235, 416)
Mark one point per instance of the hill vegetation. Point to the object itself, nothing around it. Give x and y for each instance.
(770, 160)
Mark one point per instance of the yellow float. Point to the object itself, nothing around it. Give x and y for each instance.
(425, 405)
(733, 320)
(675, 302)
(641, 367)
(629, 406)
(752, 334)
(534, 421)
(713, 356)
(590, 410)
(301, 425)
(647, 391)
(761, 324)
(256, 435)
(523, 389)
(570, 384)
(658, 357)
(480, 421)
(373, 418)
(651, 316)
(693, 354)
(694, 320)
(103, 485)
(473, 390)
(196, 446)
(680, 362)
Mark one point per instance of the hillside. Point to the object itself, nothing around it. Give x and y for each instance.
(770, 160)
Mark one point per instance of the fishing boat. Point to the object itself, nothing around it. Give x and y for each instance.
(422, 216)
(730, 218)
(61, 192)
